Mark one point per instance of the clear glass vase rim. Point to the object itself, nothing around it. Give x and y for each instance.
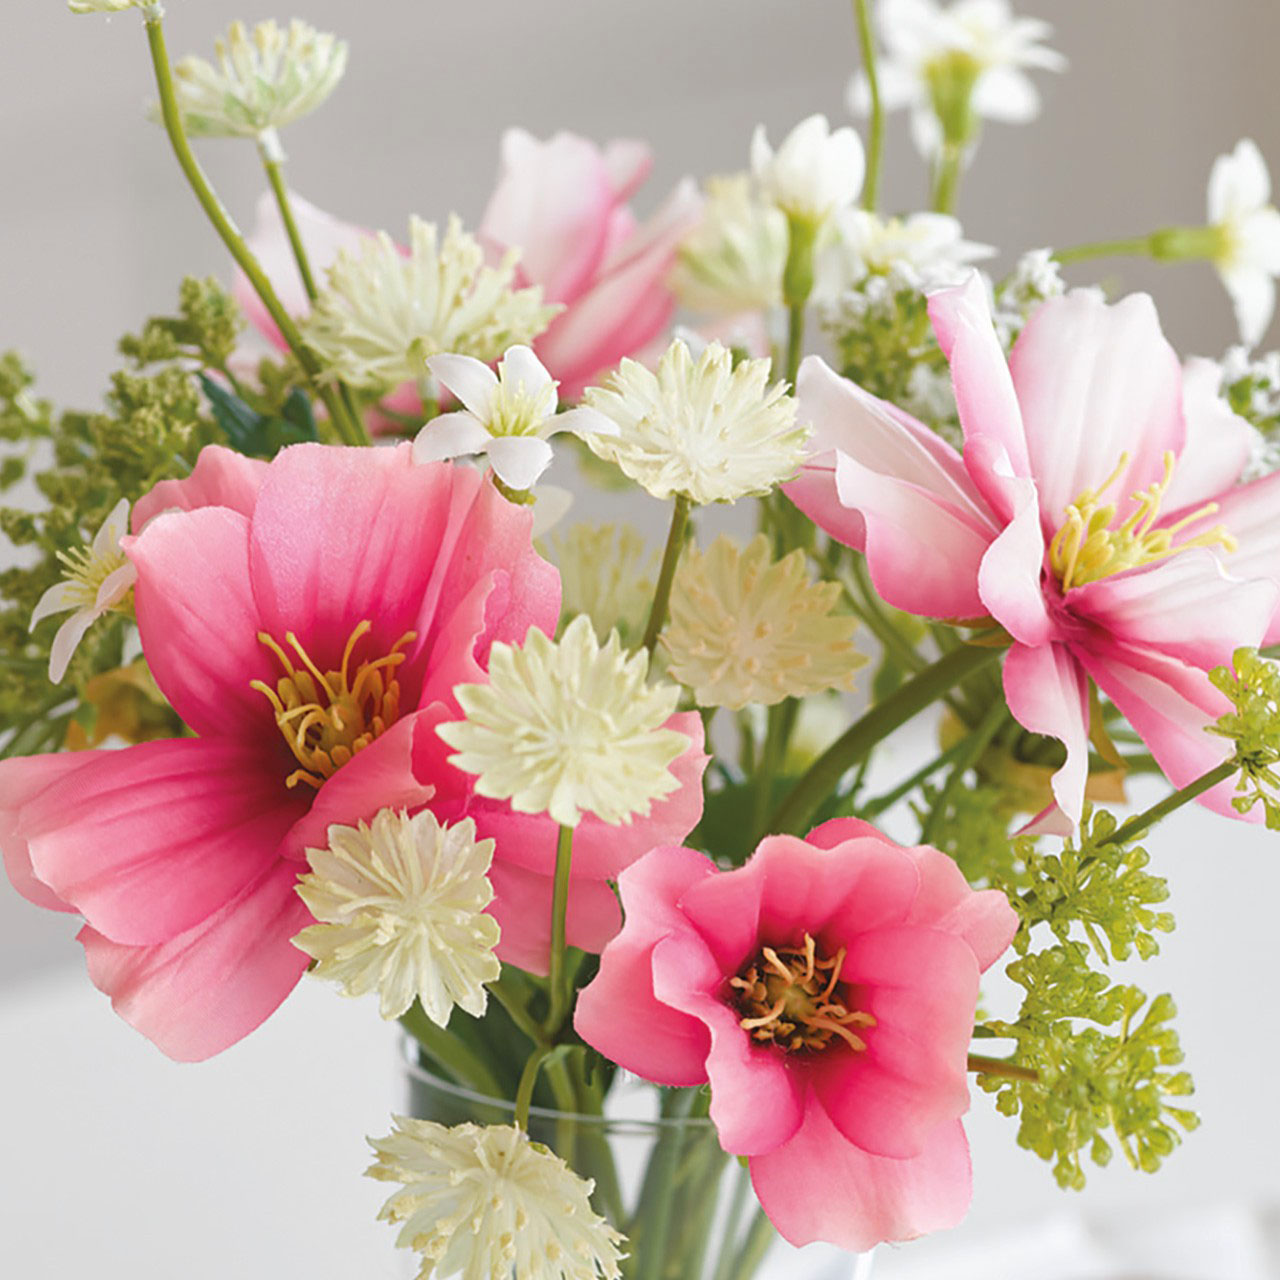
(622, 1125)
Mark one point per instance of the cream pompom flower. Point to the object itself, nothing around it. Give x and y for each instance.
(568, 728)
(507, 416)
(400, 903)
(813, 173)
(1248, 259)
(483, 1202)
(98, 578)
(263, 79)
(745, 628)
(733, 260)
(705, 430)
(384, 311)
(607, 572)
(928, 248)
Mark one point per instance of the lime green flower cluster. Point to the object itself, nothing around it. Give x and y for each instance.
(1253, 685)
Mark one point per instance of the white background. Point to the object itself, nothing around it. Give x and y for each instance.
(114, 1162)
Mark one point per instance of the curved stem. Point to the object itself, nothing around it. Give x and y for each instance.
(667, 574)
(467, 1067)
(1144, 821)
(875, 127)
(1133, 247)
(275, 177)
(560, 994)
(909, 700)
(231, 237)
(528, 1078)
(974, 745)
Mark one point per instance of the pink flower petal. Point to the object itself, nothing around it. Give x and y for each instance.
(1169, 704)
(552, 203)
(200, 992)
(617, 1012)
(819, 1186)
(1218, 443)
(980, 375)
(1251, 513)
(199, 622)
(1189, 607)
(628, 163)
(220, 478)
(984, 919)
(1047, 693)
(1096, 382)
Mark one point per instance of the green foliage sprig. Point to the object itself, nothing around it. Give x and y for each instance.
(1253, 685)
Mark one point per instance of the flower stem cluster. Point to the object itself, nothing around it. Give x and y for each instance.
(1253, 685)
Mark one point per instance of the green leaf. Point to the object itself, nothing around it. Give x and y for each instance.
(256, 434)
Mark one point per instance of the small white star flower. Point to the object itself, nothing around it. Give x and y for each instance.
(263, 79)
(706, 430)
(1248, 261)
(384, 312)
(813, 173)
(745, 628)
(401, 908)
(485, 1203)
(507, 416)
(969, 58)
(608, 573)
(733, 260)
(98, 578)
(568, 728)
(929, 248)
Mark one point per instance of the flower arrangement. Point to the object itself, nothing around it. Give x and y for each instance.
(305, 673)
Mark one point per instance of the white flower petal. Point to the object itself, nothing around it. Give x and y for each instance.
(583, 422)
(115, 586)
(451, 435)
(1005, 93)
(518, 461)
(1238, 183)
(471, 380)
(114, 527)
(522, 368)
(57, 599)
(551, 505)
(1254, 295)
(64, 643)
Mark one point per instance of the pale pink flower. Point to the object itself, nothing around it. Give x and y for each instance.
(352, 582)
(563, 204)
(826, 992)
(1095, 515)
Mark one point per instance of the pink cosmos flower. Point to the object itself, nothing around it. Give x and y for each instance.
(308, 619)
(1095, 514)
(563, 204)
(826, 991)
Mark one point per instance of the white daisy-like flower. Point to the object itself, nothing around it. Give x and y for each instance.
(1248, 259)
(607, 572)
(952, 65)
(928, 248)
(384, 312)
(568, 728)
(705, 430)
(98, 578)
(401, 903)
(745, 628)
(483, 1202)
(263, 79)
(733, 260)
(813, 173)
(507, 416)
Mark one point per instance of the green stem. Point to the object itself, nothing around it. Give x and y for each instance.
(466, 1067)
(881, 720)
(882, 626)
(524, 1091)
(667, 574)
(516, 1010)
(729, 1233)
(1134, 247)
(878, 804)
(1001, 1067)
(974, 745)
(275, 176)
(946, 183)
(1144, 821)
(795, 341)
(756, 1245)
(561, 994)
(230, 236)
(875, 127)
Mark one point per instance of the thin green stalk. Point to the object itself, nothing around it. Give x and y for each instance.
(946, 182)
(466, 1066)
(729, 1233)
(561, 994)
(881, 624)
(275, 176)
(878, 804)
(756, 1245)
(1133, 247)
(667, 574)
(524, 1091)
(881, 720)
(652, 1221)
(1147, 819)
(1001, 1067)
(875, 126)
(780, 723)
(230, 236)
(974, 744)
(795, 341)
(515, 1007)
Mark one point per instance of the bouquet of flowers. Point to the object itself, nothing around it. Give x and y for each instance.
(306, 671)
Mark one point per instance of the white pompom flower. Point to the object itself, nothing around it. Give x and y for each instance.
(400, 904)
(507, 416)
(928, 248)
(1248, 259)
(813, 173)
(607, 572)
(98, 579)
(705, 430)
(568, 728)
(745, 628)
(485, 1203)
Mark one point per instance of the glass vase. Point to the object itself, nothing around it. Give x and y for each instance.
(686, 1208)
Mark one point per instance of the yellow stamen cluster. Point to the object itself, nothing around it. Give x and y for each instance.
(326, 717)
(1086, 547)
(791, 997)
